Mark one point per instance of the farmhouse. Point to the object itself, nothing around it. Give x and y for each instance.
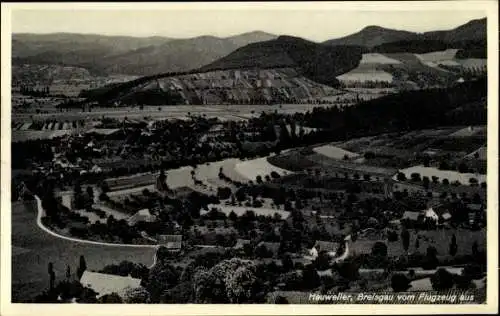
(431, 214)
(411, 216)
(330, 247)
(141, 216)
(272, 247)
(107, 283)
(240, 243)
(171, 242)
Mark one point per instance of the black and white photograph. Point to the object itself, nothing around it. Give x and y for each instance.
(250, 153)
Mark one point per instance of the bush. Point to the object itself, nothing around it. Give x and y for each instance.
(442, 280)
(275, 175)
(401, 176)
(415, 176)
(224, 193)
(379, 249)
(392, 236)
(400, 283)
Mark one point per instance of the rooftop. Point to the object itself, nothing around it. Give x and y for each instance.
(108, 283)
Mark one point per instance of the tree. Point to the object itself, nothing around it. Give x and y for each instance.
(262, 252)
(137, 295)
(415, 177)
(453, 246)
(179, 294)
(366, 177)
(400, 283)
(287, 263)
(442, 280)
(379, 250)
(475, 250)
(77, 189)
(90, 193)
(161, 277)
(232, 216)
(52, 275)
(112, 298)
(425, 182)
(445, 182)
(224, 193)
(392, 236)
(81, 267)
(430, 261)
(68, 272)
(281, 300)
(230, 281)
(401, 176)
(310, 277)
(275, 175)
(405, 238)
(259, 179)
(322, 262)
(462, 168)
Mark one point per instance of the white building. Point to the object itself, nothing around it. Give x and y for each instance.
(143, 215)
(107, 283)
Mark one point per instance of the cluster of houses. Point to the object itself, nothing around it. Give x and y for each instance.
(440, 216)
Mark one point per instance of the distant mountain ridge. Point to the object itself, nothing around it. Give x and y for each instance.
(104, 55)
(127, 55)
(372, 36)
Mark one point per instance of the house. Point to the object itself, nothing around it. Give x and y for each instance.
(272, 247)
(240, 243)
(446, 216)
(411, 216)
(475, 207)
(96, 169)
(421, 285)
(431, 214)
(171, 242)
(330, 247)
(107, 283)
(141, 216)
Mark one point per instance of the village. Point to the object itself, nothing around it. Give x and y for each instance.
(354, 220)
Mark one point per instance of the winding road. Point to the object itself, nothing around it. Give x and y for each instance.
(34, 246)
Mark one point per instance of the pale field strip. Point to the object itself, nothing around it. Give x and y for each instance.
(364, 74)
(376, 58)
(437, 56)
(250, 169)
(451, 175)
(468, 131)
(334, 152)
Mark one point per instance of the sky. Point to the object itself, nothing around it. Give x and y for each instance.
(313, 24)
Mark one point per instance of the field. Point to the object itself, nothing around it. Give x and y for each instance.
(375, 58)
(448, 54)
(24, 135)
(363, 74)
(335, 152)
(250, 169)
(469, 131)
(452, 176)
(33, 249)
